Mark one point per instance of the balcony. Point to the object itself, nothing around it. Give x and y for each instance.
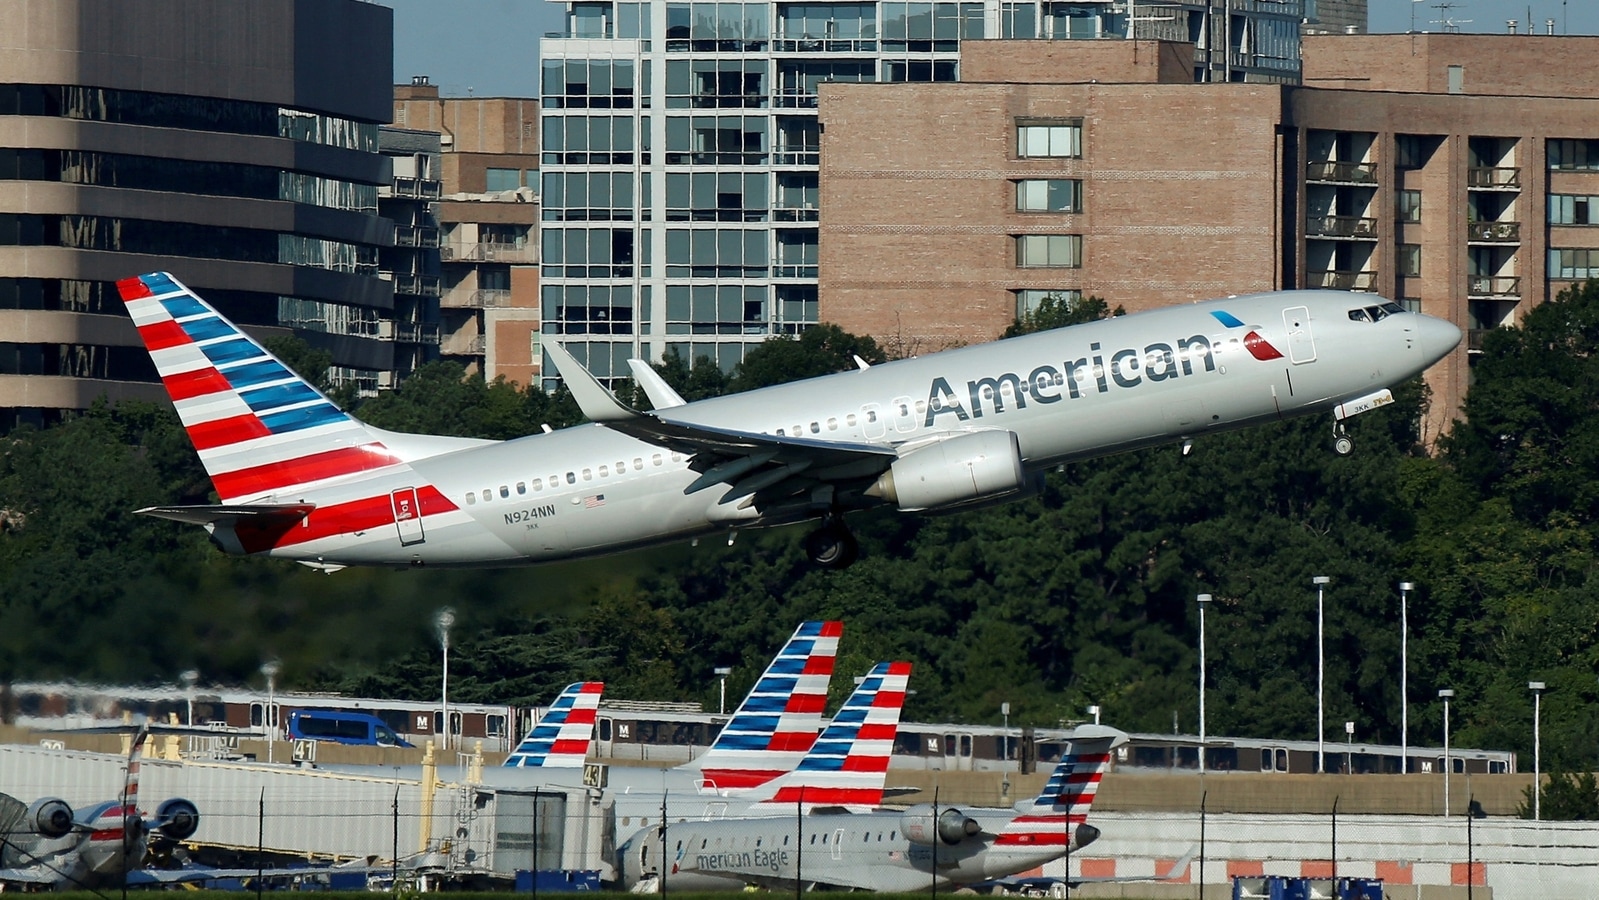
(808, 44)
(1342, 281)
(416, 188)
(463, 345)
(794, 271)
(801, 157)
(1341, 226)
(490, 251)
(1488, 287)
(795, 214)
(794, 100)
(415, 236)
(1474, 339)
(1341, 172)
(416, 285)
(1494, 177)
(1493, 232)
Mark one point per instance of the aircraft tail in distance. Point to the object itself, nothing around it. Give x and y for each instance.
(260, 429)
(561, 739)
(1066, 798)
(775, 726)
(848, 764)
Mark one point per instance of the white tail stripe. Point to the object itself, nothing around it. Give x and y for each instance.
(315, 440)
(179, 358)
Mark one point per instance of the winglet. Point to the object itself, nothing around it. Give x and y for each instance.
(655, 387)
(597, 403)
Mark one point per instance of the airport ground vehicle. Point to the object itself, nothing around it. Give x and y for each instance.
(343, 727)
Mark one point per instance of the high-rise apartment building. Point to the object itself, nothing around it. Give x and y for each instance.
(681, 198)
(487, 218)
(233, 144)
(1459, 173)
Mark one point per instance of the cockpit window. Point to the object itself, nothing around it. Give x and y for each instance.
(1375, 313)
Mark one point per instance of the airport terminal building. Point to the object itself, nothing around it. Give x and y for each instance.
(234, 145)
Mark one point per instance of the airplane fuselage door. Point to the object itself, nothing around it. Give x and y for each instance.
(1301, 346)
(407, 516)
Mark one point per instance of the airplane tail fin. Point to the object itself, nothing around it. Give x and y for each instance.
(1064, 802)
(848, 764)
(561, 739)
(259, 428)
(774, 727)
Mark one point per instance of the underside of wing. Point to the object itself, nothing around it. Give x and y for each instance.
(35, 875)
(260, 514)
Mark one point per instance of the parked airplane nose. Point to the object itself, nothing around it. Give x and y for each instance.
(1436, 338)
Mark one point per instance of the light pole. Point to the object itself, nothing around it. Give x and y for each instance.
(722, 672)
(443, 621)
(1094, 711)
(1320, 581)
(1004, 711)
(1349, 745)
(269, 717)
(1405, 587)
(189, 677)
(1537, 688)
(1204, 601)
(1444, 695)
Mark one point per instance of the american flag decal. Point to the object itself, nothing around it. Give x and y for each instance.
(594, 502)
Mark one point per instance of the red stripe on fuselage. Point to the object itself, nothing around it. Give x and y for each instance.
(196, 383)
(223, 432)
(303, 470)
(337, 519)
(164, 334)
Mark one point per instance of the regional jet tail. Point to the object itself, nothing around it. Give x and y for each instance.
(774, 728)
(300, 479)
(561, 739)
(848, 765)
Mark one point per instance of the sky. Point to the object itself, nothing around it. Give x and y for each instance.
(489, 48)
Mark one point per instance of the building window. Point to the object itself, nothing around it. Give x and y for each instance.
(495, 180)
(1410, 206)
(1573, 154)
(1057, 195)
(1028, 300)
(1573, 263)
(1410, 260)
(1056, 251)
(1059, 138)
(1573, 209)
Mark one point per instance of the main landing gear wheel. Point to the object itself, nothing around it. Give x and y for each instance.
(832, 546)
(1342, 445)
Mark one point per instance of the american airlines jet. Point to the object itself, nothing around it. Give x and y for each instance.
(299, 478)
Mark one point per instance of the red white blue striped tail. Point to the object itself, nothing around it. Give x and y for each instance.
(561, 739)
(1067, 796)
(259, 428)
(775, 726)
(848, 764)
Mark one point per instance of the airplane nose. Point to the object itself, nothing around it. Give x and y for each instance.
(1436, 337)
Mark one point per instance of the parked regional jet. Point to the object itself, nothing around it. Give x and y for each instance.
(561, 739)
(299, 478)
(886, 850)
(847, 769)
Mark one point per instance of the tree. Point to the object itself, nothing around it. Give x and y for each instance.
(1058, 311)
(819, 350)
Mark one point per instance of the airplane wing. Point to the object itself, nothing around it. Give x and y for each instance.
(749, 462)
(30, 875)
(192, 874)
(262, 514)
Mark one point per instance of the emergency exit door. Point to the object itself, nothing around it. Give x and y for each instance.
(407, 516)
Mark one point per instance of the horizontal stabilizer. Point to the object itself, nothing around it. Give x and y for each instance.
(261, 514)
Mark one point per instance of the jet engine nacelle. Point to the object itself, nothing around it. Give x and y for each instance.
(980, 465)
(1083, 835)
(49, 817)
(952, 826)
(177, 819)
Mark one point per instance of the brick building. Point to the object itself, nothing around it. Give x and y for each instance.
(1455, 171)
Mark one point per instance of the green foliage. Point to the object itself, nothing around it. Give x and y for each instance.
(1567, 797)
(305, 361)
(1057, 311)
(819, 350)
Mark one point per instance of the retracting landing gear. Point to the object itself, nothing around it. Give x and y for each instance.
(832, 546)
(1342, 444)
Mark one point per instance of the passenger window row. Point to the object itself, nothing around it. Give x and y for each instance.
(538, 484)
